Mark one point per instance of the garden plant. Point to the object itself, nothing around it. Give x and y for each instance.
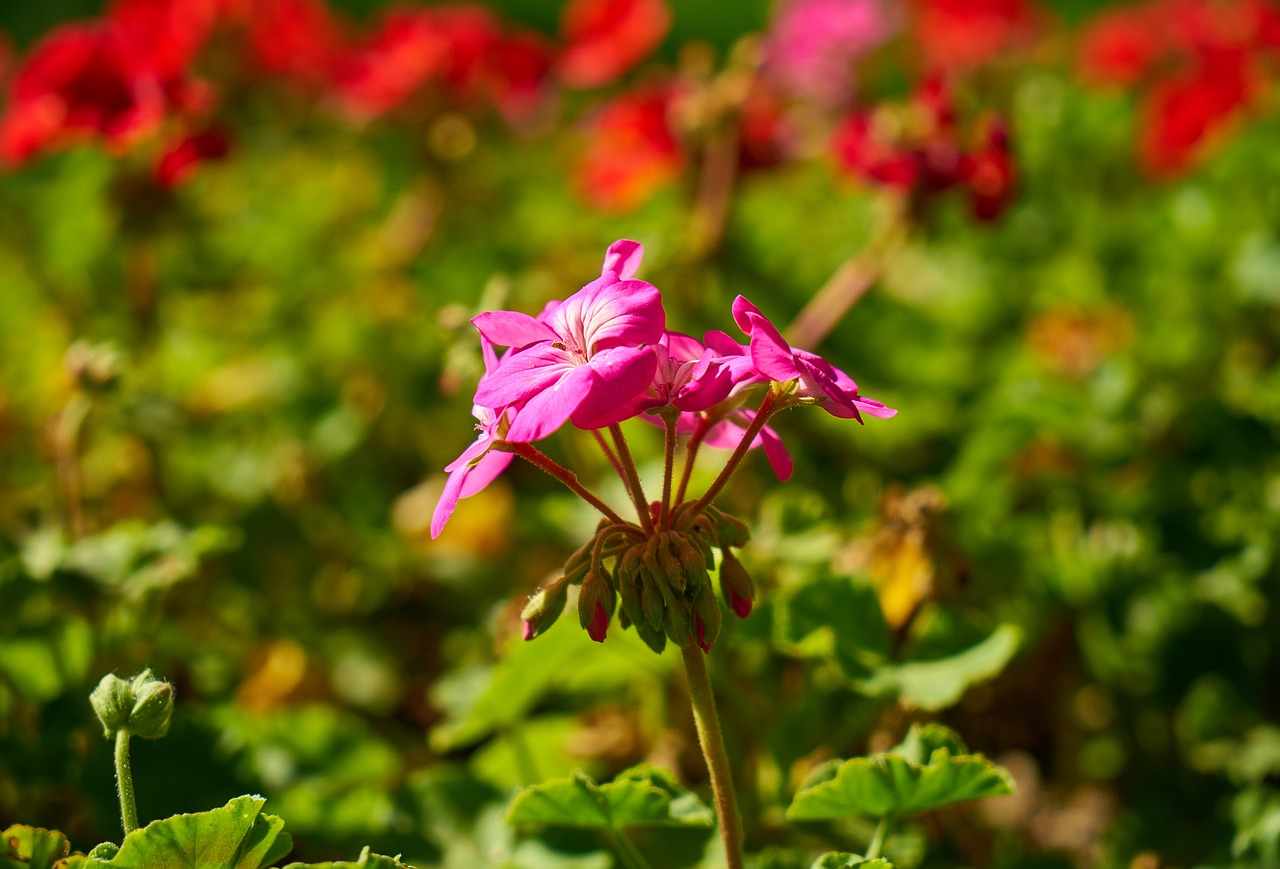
(322, 420)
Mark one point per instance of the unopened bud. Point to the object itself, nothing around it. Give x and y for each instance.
(596, 602)
(651, 601)
(706, 619)
(141, 707)
(692, 561)
(542, 610)
(677, 623)
(670, 563)
(731, 531)
(735, 585)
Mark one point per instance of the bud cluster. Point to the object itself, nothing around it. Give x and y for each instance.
(142, 706)
(663, 579)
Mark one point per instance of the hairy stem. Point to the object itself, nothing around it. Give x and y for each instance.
(631, 477)
(712, 742)
(668, 468)
(124, 783)
(536, 457)
(766, 410)
(691, 453)
(67, 431)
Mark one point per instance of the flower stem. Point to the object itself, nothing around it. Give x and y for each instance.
(763, 413)
(67, 433)
(877, 840)
(712, 742)
(668, 467)
(539, 459)
(626, 851)
(631, 477)
(691, 453)
(124, 782)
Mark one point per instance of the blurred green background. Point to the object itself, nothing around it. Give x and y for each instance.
(1064, 546)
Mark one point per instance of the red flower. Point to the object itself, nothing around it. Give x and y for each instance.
(406, 51)
(632, 150)
(1121, 46)
(167, 34)
(183, 157)
(1186, 113)
(606, 38)
(960, 35)
(298, 39)
(81, 81)
(518, 77)
(989, 174)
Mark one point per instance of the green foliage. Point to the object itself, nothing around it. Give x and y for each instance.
(31, 848)
(367, 859)
(639, 796)
(841, 860)
(930, 769)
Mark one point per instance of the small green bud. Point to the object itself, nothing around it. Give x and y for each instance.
(104, 851)
(651, 601)
(142, 707)
(730, 530)
(706, 619)
(677, 623)
(670, 564)
(542, 610)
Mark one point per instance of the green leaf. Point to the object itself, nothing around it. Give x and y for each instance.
(938, 684)
(843, 860)
(31, 848)
(929, 770)
(640, 796)
(839, 617)
(236, 836)
(367, 860)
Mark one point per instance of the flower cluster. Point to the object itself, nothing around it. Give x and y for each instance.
(918, 150)
(603, 356)
(1203, 63)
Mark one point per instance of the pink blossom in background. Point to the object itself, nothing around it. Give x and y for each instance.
(582, 359)
(814, 45)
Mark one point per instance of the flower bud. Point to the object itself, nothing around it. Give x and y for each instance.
(730, 530)
(677, 623)
(596, 602)
(735, 584)
(651, 601)
(692, 561)
(542, 610)
(142, 707)
(670, 564)
(706, 619)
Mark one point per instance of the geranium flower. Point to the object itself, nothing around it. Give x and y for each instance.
(815, 378)
(631, 150)
(814, 45)
(606, 38)
(581, 358)
(478, 466)
(727, 432)
(297, 39)
(180, 160)
(961, 35)
(81, 81)
(688, 376)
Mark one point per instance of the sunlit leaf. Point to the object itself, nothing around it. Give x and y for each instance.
(367, 860)
(640, 796)
(940, 683)
(928, 770)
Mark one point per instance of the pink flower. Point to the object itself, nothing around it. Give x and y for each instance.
(814, 44)
(688, 376)
(478, 466)
(815, 378)
(581, 358)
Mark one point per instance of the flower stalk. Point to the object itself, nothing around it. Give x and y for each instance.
(124, 783)
(711, 739)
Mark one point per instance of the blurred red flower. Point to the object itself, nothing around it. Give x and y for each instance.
(606, 38)
(297, 39)
(81, 81)
(180, 161)
(959, 35)
(631, 151)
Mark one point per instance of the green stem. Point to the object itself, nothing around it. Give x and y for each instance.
(626, 851)
(763, 413)
(631, 477)
(877, 840)
(691, 453)
(539, 459)
(668, 467)
(124, 781)
(712, 742)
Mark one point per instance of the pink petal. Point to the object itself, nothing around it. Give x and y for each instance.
(546, 411)
(512, 329)
(470, 455)
(522, 375)
(623, 258)
(776, 452)
(448, 501)
(874, 408)
(770, 354)
(741, 308)
(620, 375)
(485, 472)
(606, 314)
